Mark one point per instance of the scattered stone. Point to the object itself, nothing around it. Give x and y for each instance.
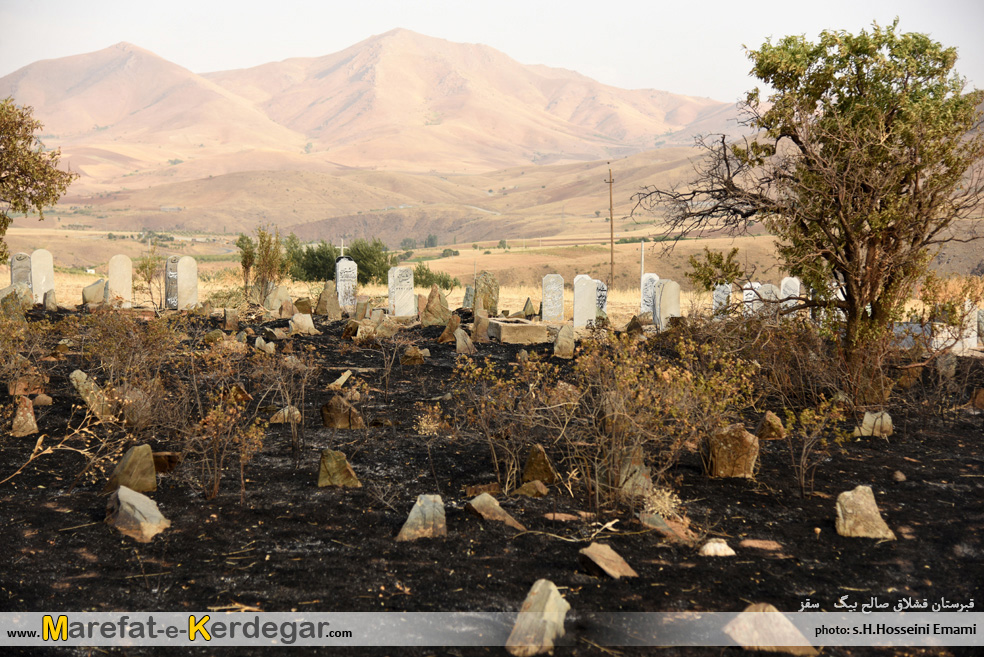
(387, 329)
(770, 427)
(165, 462)
(230, 320)
(564, 344)
(302, 324)
(94, 293)
(448, 334)
(376, 316)
(274, 334)
(360, 310)
(909, 377)
(600, 559)
(24, 423)
(858, 515)
(634, 327)
(761, 544)
(214, 336)
(135, 515)
(412, 356)
(487, 508)
(538, 467)
(733, 452)
(328, 302)
(351, 330)
(287, 415)
(977, 400)
(276, 298)
(478, 489)
(763, 627)
(50, 303)
(529, 312)
(92, 394)
(464, 344)
(540, 621)
(335, 470)
(875, 424)
(340, 381)
(716, 547)
(30, 382)
(135, 470)
(136, 405)
(287, 309)
(561, 517)
(435, 311)
(265, 347)
(304, 306)
(426, 519)
(522, 356)
(42, 400)
(672, 530)
(634, 476)
(534, 489)
(480, 327)
(242, 337)
(366, 332)
(339, 414)
(897, 476)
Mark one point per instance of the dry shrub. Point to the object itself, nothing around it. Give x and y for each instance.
(226, 431)
(622, 398)
(283, 381)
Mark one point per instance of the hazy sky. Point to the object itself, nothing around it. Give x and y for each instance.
(684, 47)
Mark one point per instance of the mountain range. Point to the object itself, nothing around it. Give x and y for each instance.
(441, 118)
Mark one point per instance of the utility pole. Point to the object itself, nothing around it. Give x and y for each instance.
(611, 226)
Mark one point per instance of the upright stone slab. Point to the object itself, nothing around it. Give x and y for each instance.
(119, 289)
(328, 302)
(585, 302)
(401, 300)
(487, 289)
(789, 287)
(667, 303)
(553, 298)
(346, 279)
(750, 298)
(580, 277)
(601, 296)
(469, 299)
(187, 283)
(768, 298)
(646, 291)
(171, 283)
(42, 274)
(721, 299)
(20, 269)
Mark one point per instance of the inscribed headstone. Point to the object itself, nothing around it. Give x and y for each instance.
(553, 298)
(346, 278)
(789, 287)
(646, 289)
(585, 302)
(768, 296)
(721, 298)
(601, 296)
(749, 297)
(171, 282)
(120, 285)
(580, 277)
(20, 269)
(187, 283)
(42, 274)
(401, 299)
(667, 303)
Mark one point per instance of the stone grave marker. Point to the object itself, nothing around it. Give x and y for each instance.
(553, 298)
(187, 283)
(646, 290)
(171, 283)
(120, 285)
(789, 287)
(346, 278)
(42, 274)
(750, 298)
(487, 289)
(721, 298)
(768, 296)
(585, 302)
(401, 299)
(666, 300)
(469, 297)
(20, 269)
(601, 296)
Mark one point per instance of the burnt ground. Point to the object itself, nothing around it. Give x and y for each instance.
(293, 546)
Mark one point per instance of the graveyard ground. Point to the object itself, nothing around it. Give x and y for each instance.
(294, 546)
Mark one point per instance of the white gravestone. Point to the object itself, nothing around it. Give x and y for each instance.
(585, 302)
(721, 298)
(789, 287)
(20, 269)
(601, 296)
(187, 283)
(581, 277)
(666, 301)
(552, 288)
(401, 298)
(346, 278)
(750, 298)
(768, 296)
(42, 274)
(119, 289)
(646, 289)
(171, 283)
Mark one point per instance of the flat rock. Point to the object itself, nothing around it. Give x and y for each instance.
(538, 467)
(94, 293)
(716, 547)
(335, 470)
(672, 530)
(388, 328)
(135, 470)
(302, 324)
(463, 344)
(286, 415)
(600, 559)
(135, 515)
(733, 452)
(412, 356)
(540, 621)
(875, 424)
(770, 427)
(763, 627)
(426, 519)
(43, 400)
(487, 508)
(339, 414)
(24, 423)
(858, 515)
(535, 489)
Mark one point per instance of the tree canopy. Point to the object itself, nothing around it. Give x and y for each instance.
(30, 180)
(866, 159)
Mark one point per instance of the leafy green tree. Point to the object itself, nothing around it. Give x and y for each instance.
(715, 269)
(247, 257)
(30, 180)
(424, 277)
(408, 244)
(316, 263)
(431, 241)
(373, 258)
(868, 159)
